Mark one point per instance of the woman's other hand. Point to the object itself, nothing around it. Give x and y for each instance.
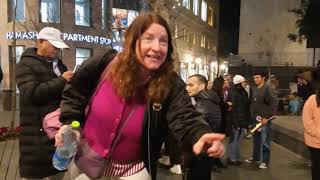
(58, 136)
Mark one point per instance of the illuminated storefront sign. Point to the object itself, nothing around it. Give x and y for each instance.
(65, 36)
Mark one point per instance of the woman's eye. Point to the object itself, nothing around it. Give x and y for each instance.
(148, 38)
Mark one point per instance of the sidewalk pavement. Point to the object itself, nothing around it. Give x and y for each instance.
(6, 116)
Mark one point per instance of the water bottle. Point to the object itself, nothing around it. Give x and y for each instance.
(64, 154)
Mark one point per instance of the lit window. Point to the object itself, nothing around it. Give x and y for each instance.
(203, 41)
(188, 37)
(196, 7)
(82, 54)
(204, 11)
(19, 51)
(50, 11)
(176, 30)
(82, 13)
(20, 10)
(186, 4)
(104, 14)
(210, 16)
(185, 34)
(194, 39)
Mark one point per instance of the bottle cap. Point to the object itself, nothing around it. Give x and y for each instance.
(75, 124)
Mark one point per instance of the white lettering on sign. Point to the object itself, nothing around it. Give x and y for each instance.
(65, 36)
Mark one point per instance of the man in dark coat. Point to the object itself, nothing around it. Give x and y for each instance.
(41, 77)
(208, 104)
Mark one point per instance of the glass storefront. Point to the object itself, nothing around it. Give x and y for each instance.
(190, 66)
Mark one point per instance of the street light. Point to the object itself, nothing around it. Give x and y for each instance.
(198, 60)
(188, 58)
(223, 66)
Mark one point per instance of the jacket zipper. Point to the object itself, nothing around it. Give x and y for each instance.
(149, 151)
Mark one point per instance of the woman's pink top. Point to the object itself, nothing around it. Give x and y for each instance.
(102, 124)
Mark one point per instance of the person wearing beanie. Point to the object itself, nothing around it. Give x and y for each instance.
(240, 115)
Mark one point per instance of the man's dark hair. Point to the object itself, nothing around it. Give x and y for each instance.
(261, 73)
(201, 78)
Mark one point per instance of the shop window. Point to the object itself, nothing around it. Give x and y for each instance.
(176, 30)
(104, 11)
(82, 12)
(19, 51)
(50, 11)
(196, 7)
(203, 41)
(20, 10)
(82, 54)
(186, 4)
(184, 71)
(210, 16)
(185, 34)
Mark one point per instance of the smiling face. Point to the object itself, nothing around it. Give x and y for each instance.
(152, 47)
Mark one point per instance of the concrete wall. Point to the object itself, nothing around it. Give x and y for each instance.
(264, 26)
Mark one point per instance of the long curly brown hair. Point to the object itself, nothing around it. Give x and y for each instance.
(125, 71)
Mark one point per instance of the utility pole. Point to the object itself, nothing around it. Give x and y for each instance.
(217, 40)
(13, 69)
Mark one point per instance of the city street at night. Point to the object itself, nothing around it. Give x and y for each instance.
(101, 85)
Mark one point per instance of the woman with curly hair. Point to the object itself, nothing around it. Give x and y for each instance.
(137, 98)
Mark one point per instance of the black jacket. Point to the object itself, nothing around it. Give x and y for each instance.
(1, 74)
(240, 108)
(177, 112)
(40, 93)
(208, 104)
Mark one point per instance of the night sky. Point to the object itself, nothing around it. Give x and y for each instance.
(229, 27)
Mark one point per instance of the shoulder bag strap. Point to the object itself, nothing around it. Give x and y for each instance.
(120, 129)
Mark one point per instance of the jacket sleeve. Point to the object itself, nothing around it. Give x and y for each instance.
(184, 121)
(79, 90)
(273, 99)
(39, 92)
(235, 109)
(209, 113)
(308, 118)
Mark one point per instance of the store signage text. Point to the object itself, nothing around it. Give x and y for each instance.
(65, 36)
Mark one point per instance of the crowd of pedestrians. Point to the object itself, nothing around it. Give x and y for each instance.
(232, 106)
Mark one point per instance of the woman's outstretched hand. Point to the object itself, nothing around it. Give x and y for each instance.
(211, 144)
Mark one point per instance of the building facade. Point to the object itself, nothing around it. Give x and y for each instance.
(89, 27)
(194, 25)
(264, 29)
